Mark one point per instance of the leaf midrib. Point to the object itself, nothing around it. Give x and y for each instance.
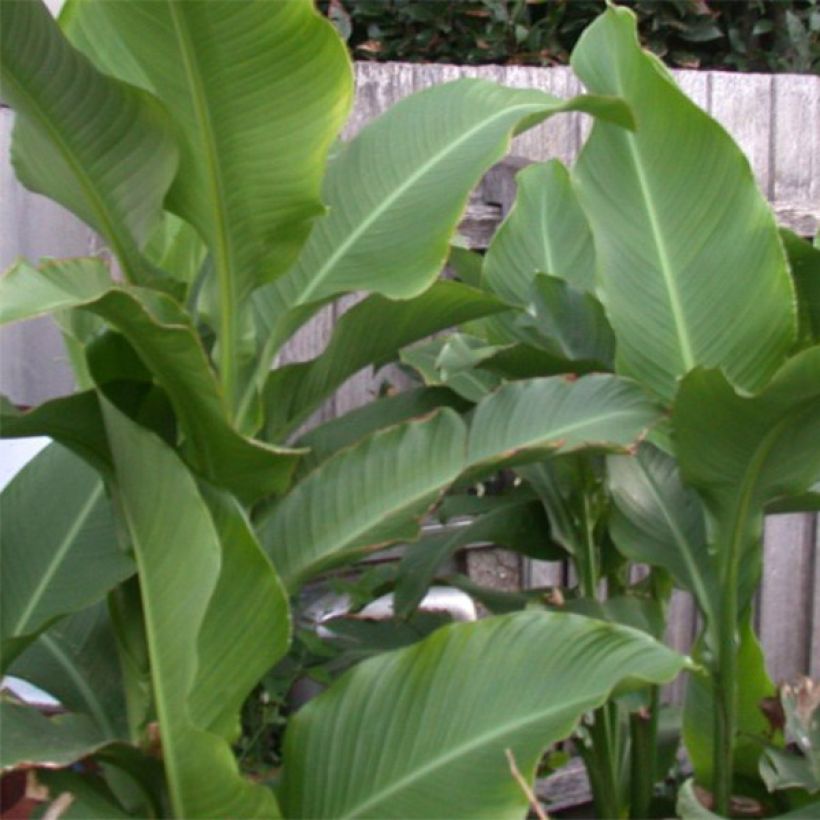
(57, 560)
(666, 268)
(89, 190)
(319, 276)
(467, 747)
(86, 691)
(683, 544)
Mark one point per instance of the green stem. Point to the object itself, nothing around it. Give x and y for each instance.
(724, 679)
(601, 763)
(602, 758)
(643, 728)
(588, 564)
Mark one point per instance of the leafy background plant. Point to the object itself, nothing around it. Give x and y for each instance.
(754, 35)
(225, 523)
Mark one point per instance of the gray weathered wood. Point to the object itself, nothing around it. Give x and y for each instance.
(785, 604)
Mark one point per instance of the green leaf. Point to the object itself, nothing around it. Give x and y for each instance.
(30, 738)
(753, 729)
(781, 769)
(545, 232)
(423, 731)
(804, 260)
(656, 520)
(59, 563)
(397, 191)
(76, 662)
(75, 421)
(175, 246)
(258, 92)
(526, 421)
(522, 527)
(183, 569)
(367, 496)
(570, 323)
(100, 148)
(741, 452)
(342, 431)
(168, 345)
(241, 614)
(470, 383)
(692, 268)
(293, 392)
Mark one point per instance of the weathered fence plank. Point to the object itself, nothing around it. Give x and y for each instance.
(775, 119)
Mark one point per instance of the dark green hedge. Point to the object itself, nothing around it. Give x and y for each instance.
(743, 35)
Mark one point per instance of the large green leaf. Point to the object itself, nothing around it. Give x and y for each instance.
(526, 421)
(692, 268)
(371, 332)
(656, 520)
(58, 563)
(741, 452)
(183, 570)
(161, 334)
(397, 191)
(76, 662)
(258, 92)
(423, 731)
(546, 232)
(101, 148)
(369, 495)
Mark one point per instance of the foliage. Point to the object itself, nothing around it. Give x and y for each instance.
(743, 410)
(759, 35)
(196, 138)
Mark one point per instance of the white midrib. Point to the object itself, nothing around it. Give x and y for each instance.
(57, 560)
(578, 705)
(321, 274)
(666, 268)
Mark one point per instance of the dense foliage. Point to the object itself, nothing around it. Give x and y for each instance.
(639, 346)
(756, 35)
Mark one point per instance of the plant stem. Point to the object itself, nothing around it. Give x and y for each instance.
(724, 678)
(602, 758)
(643, 727)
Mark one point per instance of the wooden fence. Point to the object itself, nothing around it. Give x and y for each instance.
(775, 119)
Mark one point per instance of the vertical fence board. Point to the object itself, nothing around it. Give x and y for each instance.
(785, 594)
(796, 142)
(733, 97)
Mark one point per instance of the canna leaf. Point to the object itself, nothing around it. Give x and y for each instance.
(693, 272)
(102, 149)
(423, 731)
